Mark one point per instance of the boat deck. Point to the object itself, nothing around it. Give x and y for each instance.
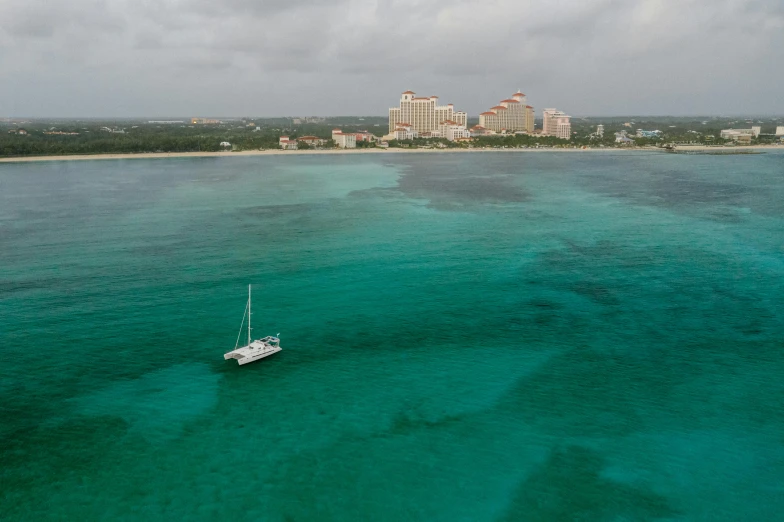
(255, 351)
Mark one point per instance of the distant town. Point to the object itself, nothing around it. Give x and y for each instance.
(416, 122)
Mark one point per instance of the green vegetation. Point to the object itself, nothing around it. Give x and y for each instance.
(65, 137)
(61, 137)
(675, 129)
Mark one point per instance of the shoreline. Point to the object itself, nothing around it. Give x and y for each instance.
(272, 152)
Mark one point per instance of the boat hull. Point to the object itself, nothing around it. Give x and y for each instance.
(251, 358)
(245, 355)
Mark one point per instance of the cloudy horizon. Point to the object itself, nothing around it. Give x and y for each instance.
(125, 58)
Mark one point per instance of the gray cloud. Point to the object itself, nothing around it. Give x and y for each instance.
(183, 57)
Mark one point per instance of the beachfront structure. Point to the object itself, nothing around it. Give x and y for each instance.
(344, 140)
(403, 131)
(648, 134)
(479, 130)
(451, 130)
(423, 114)
(556, 123)
(741, 135)
(779, 131)
(600, 130)
(365, 136)
(512, 115)
(313, 141)
(286, 144)
(623, 138)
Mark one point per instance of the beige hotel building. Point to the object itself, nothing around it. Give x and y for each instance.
(556, 123)
(512, 115)
(423, 114)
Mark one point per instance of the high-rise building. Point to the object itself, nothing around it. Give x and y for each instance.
(600, 130)
(513, 114)
(556, 123)
(780, 130)
(423, 114)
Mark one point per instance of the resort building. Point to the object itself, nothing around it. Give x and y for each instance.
(286, 144)
(344, 140)
(741, 135)
(479, 130)
(779, 131)
(451, 130)
(204, 121)
(313, 141)
(648, 134)
(600, 130)
(365, 136)
(623, 138)
(556, 123)
(403, 131)
(423, 114)
(510, 115)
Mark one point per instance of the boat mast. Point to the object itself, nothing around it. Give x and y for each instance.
(248, 315)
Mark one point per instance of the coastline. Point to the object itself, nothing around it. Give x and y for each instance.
(163, 155)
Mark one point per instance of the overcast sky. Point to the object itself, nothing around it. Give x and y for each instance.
(129, 58)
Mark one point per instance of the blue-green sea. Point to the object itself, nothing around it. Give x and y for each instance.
(466, 337)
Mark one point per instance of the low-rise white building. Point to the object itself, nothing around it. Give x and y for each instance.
(451, 130)
(623, 138)
(365, 136)
(313, 141)
(480, 130)
(740, 134)
(287, 144)
(344, 140)
(403, 131)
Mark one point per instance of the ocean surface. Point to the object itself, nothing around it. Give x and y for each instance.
(466, 337)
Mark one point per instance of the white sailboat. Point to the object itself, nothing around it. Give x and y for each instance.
(254, 350)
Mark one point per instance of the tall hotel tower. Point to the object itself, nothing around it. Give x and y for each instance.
(512, 114)
(423, 114)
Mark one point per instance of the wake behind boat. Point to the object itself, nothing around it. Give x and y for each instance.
(254, 350)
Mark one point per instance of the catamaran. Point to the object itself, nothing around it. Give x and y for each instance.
(254, 350)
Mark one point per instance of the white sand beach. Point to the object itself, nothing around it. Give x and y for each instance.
(162, 155)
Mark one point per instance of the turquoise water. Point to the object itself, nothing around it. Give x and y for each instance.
(521, 336)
